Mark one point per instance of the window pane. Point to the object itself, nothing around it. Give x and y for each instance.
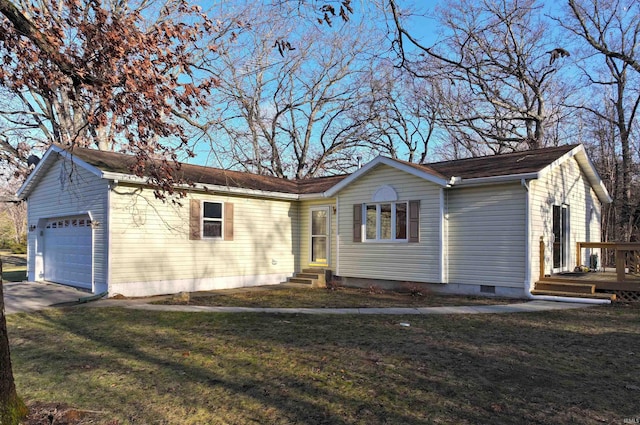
(385, 221)
(371, 221)
(401, 221)
(212, 210)
(212, 229)
(319, 222)
(319, 249)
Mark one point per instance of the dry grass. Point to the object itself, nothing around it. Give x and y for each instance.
(342, 297)
(574, 366)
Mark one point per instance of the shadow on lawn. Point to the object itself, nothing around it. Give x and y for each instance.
(557, 367)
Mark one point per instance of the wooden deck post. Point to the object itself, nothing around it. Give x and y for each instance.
(620, 265)
(541, 257)
(578, 254)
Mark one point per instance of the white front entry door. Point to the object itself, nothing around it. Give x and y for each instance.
(320, 238)
(68, 257)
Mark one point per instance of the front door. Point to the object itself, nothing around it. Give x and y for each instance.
(560, 237)
(319, 240)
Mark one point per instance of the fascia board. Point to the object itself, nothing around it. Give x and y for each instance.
(583, 160)
(128, 178)
(386, 161)
(592, 174)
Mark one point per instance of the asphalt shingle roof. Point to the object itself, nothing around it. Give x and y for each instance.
(501, 165)
(121, 163)
(486, 166)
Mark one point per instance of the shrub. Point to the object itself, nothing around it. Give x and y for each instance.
(333, 285)
(374, 289)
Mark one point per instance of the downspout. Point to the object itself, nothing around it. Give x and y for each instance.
(110, 188)
(444, 239)
(527, 239)
(93, 251)
(527, 260)
(337, 273)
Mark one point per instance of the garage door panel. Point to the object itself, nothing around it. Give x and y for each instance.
(67, 251)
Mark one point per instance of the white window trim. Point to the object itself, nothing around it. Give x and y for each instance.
(203, 219)
(378, 222)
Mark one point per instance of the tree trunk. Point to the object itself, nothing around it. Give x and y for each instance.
(12, 409)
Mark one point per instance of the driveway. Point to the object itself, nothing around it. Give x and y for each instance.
(22, 297)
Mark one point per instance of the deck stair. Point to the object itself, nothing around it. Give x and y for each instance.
(558, 288)
(314, 277)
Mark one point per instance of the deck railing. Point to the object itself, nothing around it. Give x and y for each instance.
(626, 256)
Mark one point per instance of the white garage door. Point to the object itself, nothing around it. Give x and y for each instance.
(67, 251)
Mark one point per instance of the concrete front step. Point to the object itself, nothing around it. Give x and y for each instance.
(307, 275)
(300, 280)
(314, 270)
(578, 288)
(599, 296)
(310, 276)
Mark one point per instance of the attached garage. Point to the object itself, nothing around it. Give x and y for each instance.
(67, 251)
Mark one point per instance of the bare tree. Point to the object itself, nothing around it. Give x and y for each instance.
(612, 31)
(500, 60)
(401, 113)
(290, 115)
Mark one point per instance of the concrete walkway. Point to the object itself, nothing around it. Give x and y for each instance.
(526, 307)
(34, 296)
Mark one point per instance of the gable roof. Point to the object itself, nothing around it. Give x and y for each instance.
(472, 171)
(492, 169)
(117, 166)
(509, 164)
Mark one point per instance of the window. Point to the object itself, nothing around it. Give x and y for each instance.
(386, 221)
(211, 220)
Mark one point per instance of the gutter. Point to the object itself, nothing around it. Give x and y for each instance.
(458, 181)
(205, 187)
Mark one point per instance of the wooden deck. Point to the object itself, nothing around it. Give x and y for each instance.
(619, 277)
(604, 280)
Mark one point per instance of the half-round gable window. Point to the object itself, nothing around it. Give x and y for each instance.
(385, 193)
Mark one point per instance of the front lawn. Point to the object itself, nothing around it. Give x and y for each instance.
(140, 367)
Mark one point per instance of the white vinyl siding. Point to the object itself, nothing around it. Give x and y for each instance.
(151, 246)
(486, 230)
(304, 218)
(392, 260)
(565, 184)
(63, 191)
